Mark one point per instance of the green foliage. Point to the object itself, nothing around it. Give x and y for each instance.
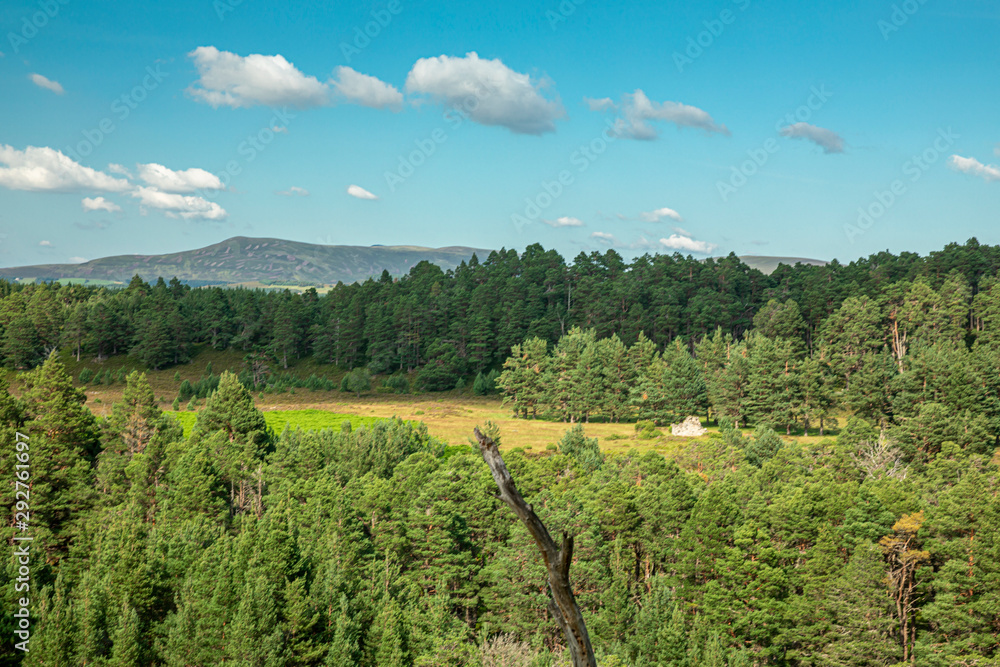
(763, 446)
(86, 375)
(486, 385)
(585, 451)
(357, 381)
(645, 429)
(398, 383)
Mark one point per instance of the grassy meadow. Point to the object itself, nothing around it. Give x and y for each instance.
(449, 415)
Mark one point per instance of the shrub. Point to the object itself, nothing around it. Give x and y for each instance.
(177, 376)
(176, 405)
(460, 385)
(86, 375)
(584, 450)
(357, 381)
(486, 385)
(646, 430)
(398, 383)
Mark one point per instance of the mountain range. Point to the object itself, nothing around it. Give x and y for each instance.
(268, 261)
(255, 260)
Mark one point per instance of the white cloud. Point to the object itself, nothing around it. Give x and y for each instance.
(659, 214)
(828, 140)
(488, 91)
(120, 170)
(44, 169)
(680, 242)
(603, 104)
(175, 205)
(604, 237)
(359, 192)
(76, 260)
(46, 83)
(636, 109)
(46, 244)
(365, 90)
(227, 79)
(972, 166)
(564, 221)
(294, 191)
(99, 204)
(168, 180)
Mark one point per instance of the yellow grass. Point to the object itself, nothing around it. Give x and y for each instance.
(450, 415)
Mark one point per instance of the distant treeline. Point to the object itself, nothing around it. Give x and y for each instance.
(919, 360)
(456, 324)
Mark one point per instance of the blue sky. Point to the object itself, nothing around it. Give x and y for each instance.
(815, 129)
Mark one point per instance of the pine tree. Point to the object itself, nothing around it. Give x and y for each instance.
(63, 440)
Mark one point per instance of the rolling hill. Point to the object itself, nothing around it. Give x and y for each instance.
(767, 265)
(255, 260)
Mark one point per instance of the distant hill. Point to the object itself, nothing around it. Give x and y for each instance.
(255, 260)
(767, 265)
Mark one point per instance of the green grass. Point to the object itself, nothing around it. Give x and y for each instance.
(307, 420)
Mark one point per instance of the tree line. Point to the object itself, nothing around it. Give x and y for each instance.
(912, 358)
(453, 325)
(384, 546)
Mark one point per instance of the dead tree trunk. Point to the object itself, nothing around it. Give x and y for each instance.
(562, 604)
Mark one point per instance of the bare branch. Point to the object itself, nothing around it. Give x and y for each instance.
(562, 605)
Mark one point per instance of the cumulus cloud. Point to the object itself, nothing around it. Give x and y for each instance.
(46, 83)
(99, 204)
(359, 192)
(188, 180)
(46, 244)
(227, 79)
(365, 90)
(120, 170)
(828, 140)
(488, 91)
(636, 110)
(44, 169)
(76, 260)
(659, 214)
(603, 104)
(564, 221)
(604, 237)
(682, 242)
(972, 166)
(179, 206)
(294, 191)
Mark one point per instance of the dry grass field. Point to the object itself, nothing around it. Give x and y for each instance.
(449, 415)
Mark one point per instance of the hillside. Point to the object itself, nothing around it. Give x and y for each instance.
(767, 265)
(242, 260)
